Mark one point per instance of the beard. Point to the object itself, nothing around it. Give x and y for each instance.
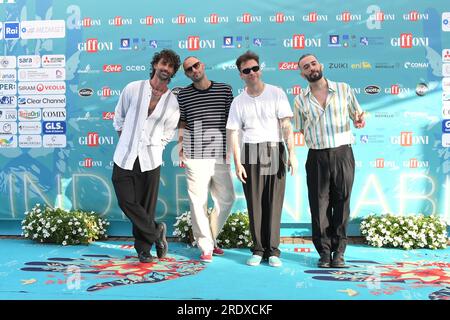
(316, 76)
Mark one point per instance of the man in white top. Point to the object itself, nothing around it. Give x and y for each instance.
(264, 115)
(146, 117)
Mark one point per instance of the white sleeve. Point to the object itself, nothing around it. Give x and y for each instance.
(283, 106)
(234, 119)
(121, 109)
(171, 123)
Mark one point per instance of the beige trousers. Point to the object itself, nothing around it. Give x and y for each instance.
(204, 176)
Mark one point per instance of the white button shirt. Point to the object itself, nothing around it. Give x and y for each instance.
(143, 136)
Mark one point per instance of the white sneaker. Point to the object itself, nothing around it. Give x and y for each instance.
(274, 261)
(254, 260)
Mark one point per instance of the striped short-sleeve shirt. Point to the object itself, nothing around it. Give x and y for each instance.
(205, 113)
(329, 126)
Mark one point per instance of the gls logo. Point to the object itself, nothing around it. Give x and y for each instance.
(446, 126)
(194, 43)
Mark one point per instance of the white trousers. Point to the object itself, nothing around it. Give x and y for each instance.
(204, 176)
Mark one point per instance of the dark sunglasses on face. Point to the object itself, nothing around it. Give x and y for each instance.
(194, 66)
(247, 70)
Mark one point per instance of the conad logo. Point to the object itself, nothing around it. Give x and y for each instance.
(372, 89)
(85, 92)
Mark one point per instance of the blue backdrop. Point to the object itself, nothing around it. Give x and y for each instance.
(63, 65)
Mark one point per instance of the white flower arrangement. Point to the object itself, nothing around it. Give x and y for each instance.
(54, 225)
(409, 232)
(235, 233)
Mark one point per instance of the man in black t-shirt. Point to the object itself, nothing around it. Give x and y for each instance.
(204, 107)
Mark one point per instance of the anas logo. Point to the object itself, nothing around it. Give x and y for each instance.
(347, 17)
(247, 18)
(85, 92)
(372, 89)
(407, 41)
(299, 41)
(415, 16)
(183, 19)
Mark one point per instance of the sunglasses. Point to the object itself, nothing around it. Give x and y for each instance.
(194, 66)
(247, 70)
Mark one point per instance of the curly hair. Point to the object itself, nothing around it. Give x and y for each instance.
(168, 55)
(248, 55)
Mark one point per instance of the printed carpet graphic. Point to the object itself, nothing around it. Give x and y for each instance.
(111, 270)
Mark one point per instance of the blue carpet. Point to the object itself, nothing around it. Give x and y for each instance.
(110, 270)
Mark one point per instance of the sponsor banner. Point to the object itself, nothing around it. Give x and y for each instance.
(85, 92)
(54, 114)
(8, 62)
(8, 141)
(56, 87)
(11, 30)
(54, 141)
(445, 140)
(8, 75)
(53, 60)
(7, 88)
(41, 101)
(30, 141)
(8, 128)
(43, 29)
(30, 114)
(54, 127)
(8, 101)
(8, 115)
(28, 61)
(44, 74)
(30, 127)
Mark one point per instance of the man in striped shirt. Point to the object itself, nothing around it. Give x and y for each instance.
(323, 113)
(204, 107)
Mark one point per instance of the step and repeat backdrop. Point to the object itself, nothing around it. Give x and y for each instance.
(64, 64)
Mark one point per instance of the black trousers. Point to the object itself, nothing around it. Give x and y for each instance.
(264, 189)
(137, 193)
(330, 174)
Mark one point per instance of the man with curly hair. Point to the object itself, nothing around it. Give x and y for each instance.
(146, 117)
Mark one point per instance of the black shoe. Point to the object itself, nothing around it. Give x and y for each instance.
(324, 261)
(161, 243)
(145, 257)
(338, 261)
